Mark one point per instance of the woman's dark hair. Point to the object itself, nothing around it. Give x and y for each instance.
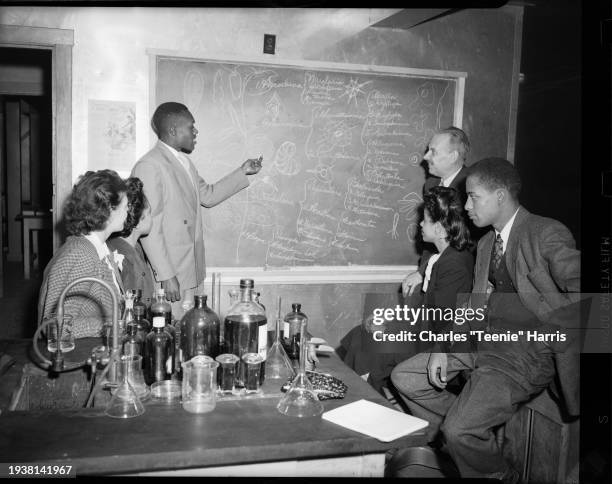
(93, 196)
(137, 202)
(444, 205)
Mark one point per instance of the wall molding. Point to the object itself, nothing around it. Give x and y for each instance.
(311, 274)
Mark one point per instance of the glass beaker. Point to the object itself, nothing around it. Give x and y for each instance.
(199, 384)
(227, 373)
(252, 369)
(61, 332)
(133, 365)
(125, 402)
(301, 400)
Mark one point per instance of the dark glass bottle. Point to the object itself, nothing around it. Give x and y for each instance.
(292, 330)
(159, 352)
(138, 302)
(199, 330)
(245, 328)
(143, 326)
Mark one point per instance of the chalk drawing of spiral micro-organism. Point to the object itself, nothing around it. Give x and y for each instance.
(409, 204)
(284, 159)
(193, 89)
(352, 89)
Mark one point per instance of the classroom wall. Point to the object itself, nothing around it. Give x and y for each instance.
(110, 62)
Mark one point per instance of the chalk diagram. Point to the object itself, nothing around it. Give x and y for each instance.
(285, 161)
(353, 89)
(193, 89)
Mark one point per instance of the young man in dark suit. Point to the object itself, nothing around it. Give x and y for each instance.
(527, 276)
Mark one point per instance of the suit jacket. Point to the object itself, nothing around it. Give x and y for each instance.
(175, 245)
(544, 266)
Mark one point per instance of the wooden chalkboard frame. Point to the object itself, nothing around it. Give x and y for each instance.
(312, 274)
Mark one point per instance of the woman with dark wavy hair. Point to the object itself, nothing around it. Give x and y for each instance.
(135, 271)
(96, 207)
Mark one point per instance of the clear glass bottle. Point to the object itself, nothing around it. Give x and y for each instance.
(291, 332)
(161, 307)
(133, 341)
(128, 311)
(178, 353)
(159, 353)
(199, 329)
(246, 328)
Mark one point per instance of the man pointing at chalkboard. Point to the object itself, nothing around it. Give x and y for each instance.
(175, 190)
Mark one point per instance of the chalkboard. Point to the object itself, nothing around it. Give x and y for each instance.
(342, 145)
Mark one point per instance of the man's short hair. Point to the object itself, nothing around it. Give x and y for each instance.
(164, 116)
(458, 140)
(496, 173)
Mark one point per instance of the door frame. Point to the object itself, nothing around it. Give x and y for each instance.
(59, 42)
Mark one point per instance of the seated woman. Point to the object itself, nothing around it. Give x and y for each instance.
(449, 273)
(135, 271)
(96, 207)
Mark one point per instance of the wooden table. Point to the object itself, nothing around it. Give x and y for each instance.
(240, 437)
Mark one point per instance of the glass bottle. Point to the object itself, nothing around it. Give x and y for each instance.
(128, 312)
(246, 328)
(257, 296)
(199, 330)
(143, 325)
(161, 307)
(133, 341)
(138, 302)
(159, 353)
(291, 330)
(178, 353)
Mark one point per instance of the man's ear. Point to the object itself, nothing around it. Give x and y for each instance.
(501, 195)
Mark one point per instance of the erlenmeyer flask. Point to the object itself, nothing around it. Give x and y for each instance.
(301, 400)
(278, 365)
(125, 403)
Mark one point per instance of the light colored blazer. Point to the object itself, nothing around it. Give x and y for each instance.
(544, 266)
(175, 245)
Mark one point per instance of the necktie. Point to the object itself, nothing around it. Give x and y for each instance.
(441, 183)
(498, 252)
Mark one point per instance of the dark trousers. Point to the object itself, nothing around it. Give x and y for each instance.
(491, 395)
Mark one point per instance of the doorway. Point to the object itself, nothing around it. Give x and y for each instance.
(51, 115)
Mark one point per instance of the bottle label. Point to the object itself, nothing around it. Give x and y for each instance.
(159, 322)
(169, 365)
(262, 348)
(286, 330)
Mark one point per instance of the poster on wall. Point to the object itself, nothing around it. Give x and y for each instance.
(111, 135)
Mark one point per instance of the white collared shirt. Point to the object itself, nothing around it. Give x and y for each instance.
(445, 182)
(505, 232)
(182, 159)
(104, 254)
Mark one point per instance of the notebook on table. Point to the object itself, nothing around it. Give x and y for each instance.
(378, 421)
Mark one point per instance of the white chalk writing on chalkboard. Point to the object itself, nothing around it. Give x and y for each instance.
(341, 177)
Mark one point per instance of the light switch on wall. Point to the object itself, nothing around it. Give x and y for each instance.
(269, 43)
